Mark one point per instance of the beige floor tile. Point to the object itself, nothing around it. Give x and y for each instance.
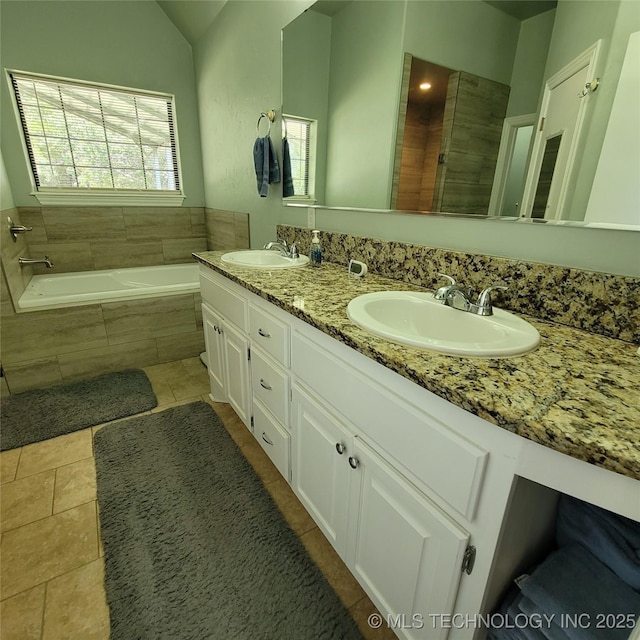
(234, 426)
(55, 453)
(26, 500)
(372, 626)
(333, 568)
(177, 403)
(42, 550)
(259, 460)
(294, 513)
(9, 464)
(165, 371)
(75, 485)
(194, 366)
(163, 392)
(76, 605)
(190, 385)
(21, 615)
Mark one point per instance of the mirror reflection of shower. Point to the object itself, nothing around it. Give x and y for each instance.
(448, 138)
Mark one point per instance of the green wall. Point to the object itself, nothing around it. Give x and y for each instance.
(131, 44)
(527, 77)
(484, 39)
(306, 58)
(6, 197)
(238, 73)
(364, 90)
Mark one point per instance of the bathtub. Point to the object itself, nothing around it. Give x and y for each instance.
(86, 287)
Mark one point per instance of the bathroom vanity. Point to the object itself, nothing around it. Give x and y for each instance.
(434, 477)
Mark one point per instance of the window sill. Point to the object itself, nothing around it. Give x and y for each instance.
(108, 199)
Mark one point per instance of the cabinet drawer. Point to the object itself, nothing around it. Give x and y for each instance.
(426, 449)
(269, 333)
(272, 438)
(221, 299)
(271, 385)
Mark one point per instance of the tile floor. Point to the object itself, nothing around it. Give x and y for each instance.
(52, 559)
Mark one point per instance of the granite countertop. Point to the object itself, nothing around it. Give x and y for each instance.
(577, 393)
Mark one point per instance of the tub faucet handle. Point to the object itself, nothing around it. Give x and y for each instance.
(16, 229)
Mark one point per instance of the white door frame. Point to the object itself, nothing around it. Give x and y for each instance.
(589, 59)
(505, 155)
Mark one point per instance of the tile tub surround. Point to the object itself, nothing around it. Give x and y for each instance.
(226, 229)
(576, 393)
(600, 303)
(95, 238)
(42, 348)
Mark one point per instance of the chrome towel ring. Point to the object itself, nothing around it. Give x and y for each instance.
(270, 116)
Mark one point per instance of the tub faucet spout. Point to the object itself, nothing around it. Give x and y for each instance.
(45, 261)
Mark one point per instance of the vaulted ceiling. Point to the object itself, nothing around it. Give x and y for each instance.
(194, 17)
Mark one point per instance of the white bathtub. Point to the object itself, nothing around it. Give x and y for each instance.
(83, 287)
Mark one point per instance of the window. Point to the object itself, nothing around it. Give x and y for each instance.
(86, 140)
(298, 132)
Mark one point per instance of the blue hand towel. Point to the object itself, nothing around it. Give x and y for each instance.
(550, 630)
(578, 590)
(266, 165)
(521, 621)
(611, 538)
(505, 626)
(287, 178)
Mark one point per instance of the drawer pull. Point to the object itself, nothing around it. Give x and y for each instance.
(264, 385)
(264, 437)
(264, 334)
(353, 462)
(340, 448)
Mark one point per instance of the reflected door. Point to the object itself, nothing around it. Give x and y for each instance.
(556, 142)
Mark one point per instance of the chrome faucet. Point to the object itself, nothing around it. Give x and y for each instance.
(16, 229)
(453, 296)
(287, 252)
(45, 261)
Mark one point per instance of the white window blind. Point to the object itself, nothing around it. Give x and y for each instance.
(298, 133)
(91, 137)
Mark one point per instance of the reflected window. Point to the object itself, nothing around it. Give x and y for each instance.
(549, 160)
(298, 133)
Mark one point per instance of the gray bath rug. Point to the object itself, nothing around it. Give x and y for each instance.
(195, 548)
(40, 414)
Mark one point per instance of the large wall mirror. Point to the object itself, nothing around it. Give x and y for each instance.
(463, 143)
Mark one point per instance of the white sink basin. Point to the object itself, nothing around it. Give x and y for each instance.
(418, 320)
(263, 259)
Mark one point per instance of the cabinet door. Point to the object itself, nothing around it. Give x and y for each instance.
(320, 472)
(405, 552)
(236, 369)
(215, 355)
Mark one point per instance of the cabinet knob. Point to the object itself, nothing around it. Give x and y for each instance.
(340, 448)
(264, 334)
(353, 462)
(264, 385)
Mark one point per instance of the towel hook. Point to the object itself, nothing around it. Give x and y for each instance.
(270, 116)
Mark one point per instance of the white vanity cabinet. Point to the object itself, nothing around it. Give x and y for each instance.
(225, 320)
(433, 509)
(248, 355)
(270, 384)
(214, 345)
(401, 547)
